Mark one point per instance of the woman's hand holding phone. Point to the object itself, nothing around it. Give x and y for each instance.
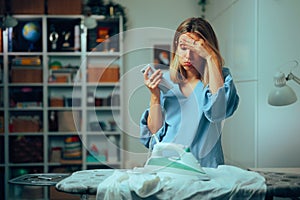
(153, 79)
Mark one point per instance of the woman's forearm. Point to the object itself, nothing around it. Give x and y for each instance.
(155, 118)
(215, 74)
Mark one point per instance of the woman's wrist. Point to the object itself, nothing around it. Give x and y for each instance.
(213, 60)
(155, 99)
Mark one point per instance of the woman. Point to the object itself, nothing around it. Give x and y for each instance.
(202, 96)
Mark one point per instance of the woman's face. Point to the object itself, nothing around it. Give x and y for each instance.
(187, 58)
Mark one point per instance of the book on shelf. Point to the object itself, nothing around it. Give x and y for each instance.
(27, 61)
(36, 104)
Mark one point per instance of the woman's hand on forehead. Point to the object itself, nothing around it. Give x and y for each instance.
(195, 43)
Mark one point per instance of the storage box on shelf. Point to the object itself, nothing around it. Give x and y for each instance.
(58, 7)
(103, 74)
(27, 7)
(69, 121)
(25, 124)
(26, 75)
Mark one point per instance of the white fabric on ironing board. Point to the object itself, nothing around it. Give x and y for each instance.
(226, 182)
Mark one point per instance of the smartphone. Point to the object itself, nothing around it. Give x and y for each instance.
(164, 85)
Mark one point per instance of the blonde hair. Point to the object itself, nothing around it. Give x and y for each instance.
(204, 30)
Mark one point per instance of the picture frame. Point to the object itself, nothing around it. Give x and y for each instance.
(162, 55)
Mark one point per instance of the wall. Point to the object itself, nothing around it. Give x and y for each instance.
(279, 128)
(256, 38)
(149, 22)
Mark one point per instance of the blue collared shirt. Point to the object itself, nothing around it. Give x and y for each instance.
(195, 121)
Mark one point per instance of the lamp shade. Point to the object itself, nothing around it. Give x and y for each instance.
(90, 22)
(282, 94)
(10, 21)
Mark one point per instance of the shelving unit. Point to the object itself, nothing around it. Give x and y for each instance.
(2, 137)
(60, 98)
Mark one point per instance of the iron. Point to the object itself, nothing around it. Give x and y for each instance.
(162, 159)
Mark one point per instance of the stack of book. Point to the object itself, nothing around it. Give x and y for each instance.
(72, 149)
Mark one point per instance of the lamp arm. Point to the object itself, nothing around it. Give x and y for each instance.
(291, 76)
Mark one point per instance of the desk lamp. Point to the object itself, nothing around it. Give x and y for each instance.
(9, 22)
(283, 94)
(90, 22)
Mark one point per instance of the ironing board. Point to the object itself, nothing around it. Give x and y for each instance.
(280, 182)
(86, 182)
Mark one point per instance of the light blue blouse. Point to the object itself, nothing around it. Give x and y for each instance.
(195, 121)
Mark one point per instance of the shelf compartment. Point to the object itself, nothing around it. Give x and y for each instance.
(64, 71)
(31, 28)
(63, 34)
(67, 97)
(26, 97)
(25, 70)
(102, 121)
(103, 149)
(23, 192)
(26, 149)
(103, 97)
(104, 38)
(24, 121)
(65, 149)
(64, 121)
